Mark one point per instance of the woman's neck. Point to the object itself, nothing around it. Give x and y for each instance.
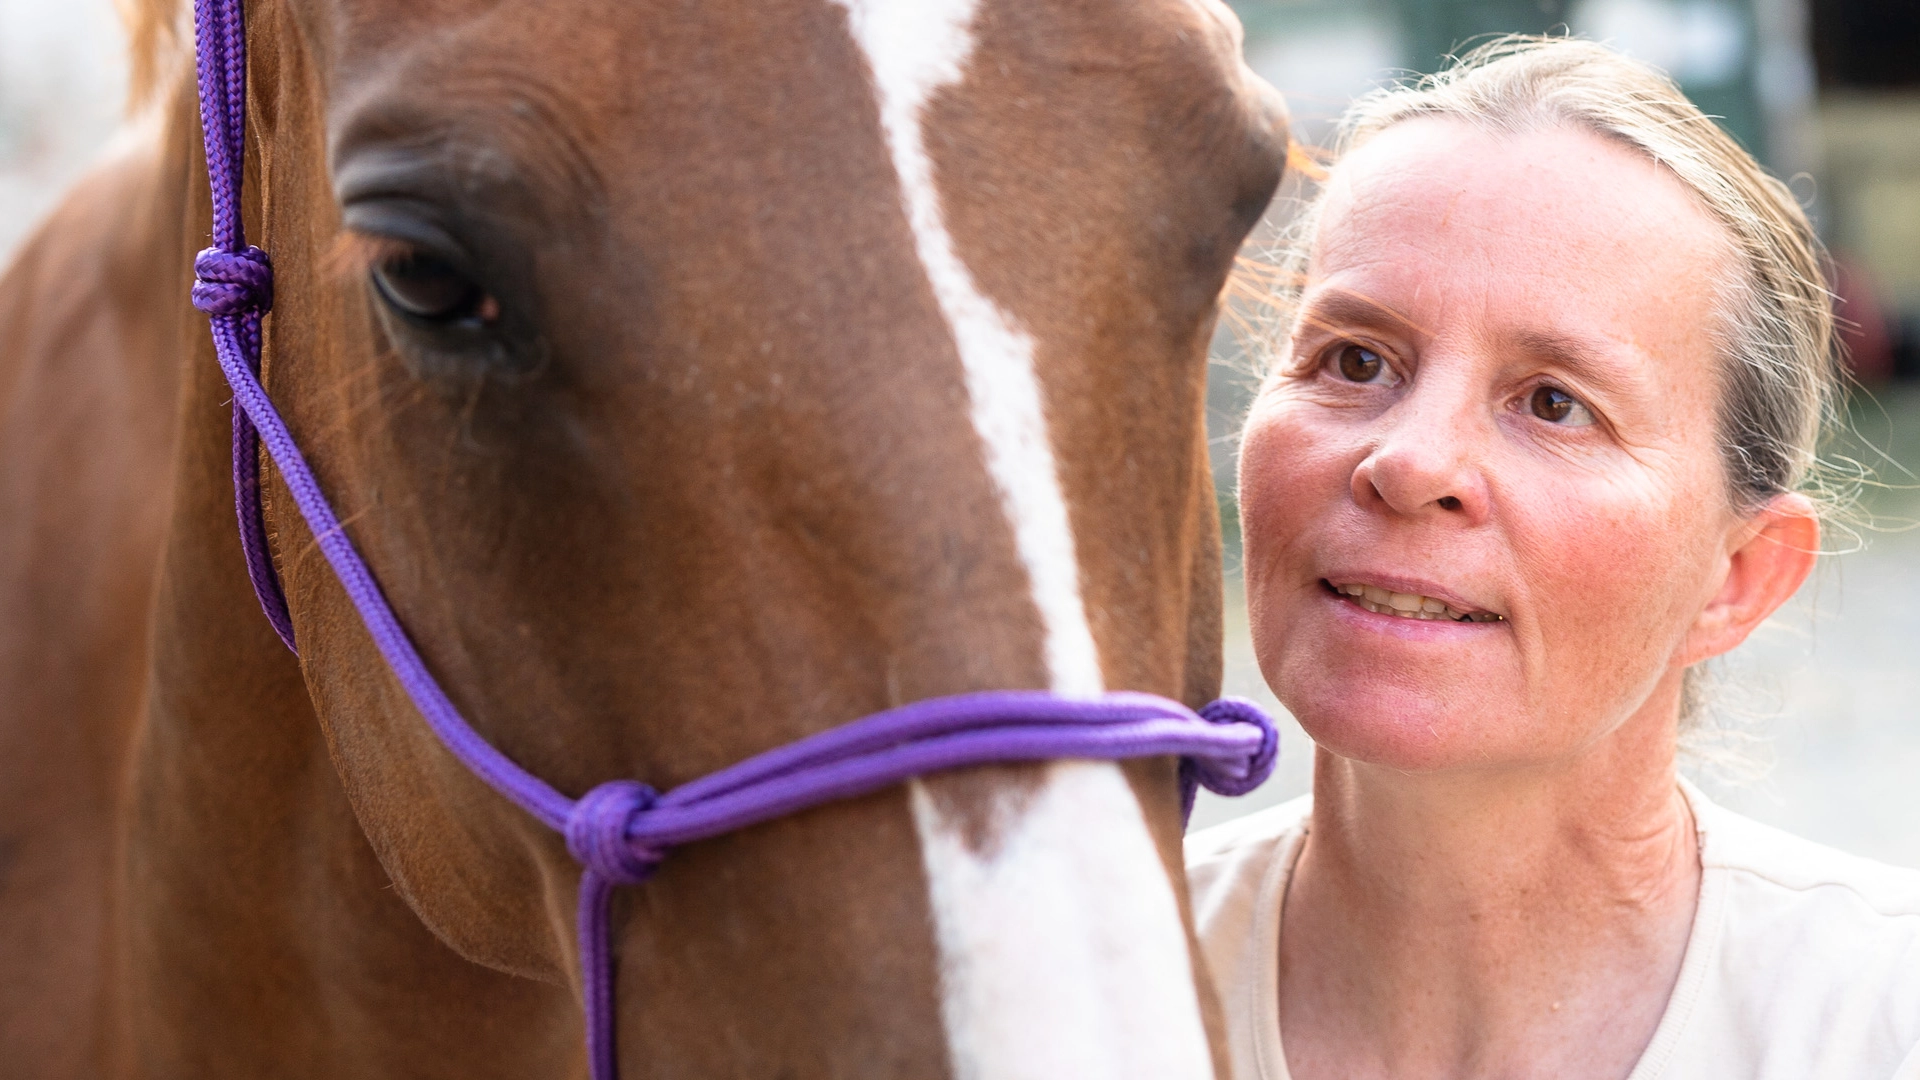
(1523, 921)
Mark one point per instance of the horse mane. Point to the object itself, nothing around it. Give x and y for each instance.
(155, 45)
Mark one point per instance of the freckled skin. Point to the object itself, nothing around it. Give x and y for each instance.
(1596, 542)
(1496, 823)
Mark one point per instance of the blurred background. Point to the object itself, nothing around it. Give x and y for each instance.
(1816, 725)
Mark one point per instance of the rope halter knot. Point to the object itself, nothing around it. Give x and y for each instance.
(232, 282)
(598, 828)
(1234, 777)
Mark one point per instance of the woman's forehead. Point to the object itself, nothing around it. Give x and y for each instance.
(1435, 212)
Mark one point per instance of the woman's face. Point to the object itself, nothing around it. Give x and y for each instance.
(1499, 409)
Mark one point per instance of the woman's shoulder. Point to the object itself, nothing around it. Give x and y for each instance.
(1799, 873)
(1262, 831)
(1237, 877)
(1801, 914)
(1804, 960)
(1236, 855)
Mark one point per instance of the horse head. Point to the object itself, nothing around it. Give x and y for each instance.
(698, 376)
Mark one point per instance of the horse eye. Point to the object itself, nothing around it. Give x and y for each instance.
(1556, 406)
(429, 289)
(1359, 364)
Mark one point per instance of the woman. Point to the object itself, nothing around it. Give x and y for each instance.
(1557, 363)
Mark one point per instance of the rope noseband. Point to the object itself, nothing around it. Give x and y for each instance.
(621, 830)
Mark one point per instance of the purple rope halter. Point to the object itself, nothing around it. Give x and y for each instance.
(621, 830)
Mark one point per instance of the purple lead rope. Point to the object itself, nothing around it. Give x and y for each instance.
(621, 830)
(234, 282)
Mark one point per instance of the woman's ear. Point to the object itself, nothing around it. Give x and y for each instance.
(1773, 552)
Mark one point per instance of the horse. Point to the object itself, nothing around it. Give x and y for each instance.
(695, 377)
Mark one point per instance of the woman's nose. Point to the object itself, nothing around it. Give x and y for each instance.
(1425, 460)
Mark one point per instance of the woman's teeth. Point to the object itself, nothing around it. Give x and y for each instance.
(1409, 605)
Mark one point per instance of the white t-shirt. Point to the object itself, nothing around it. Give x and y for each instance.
(1803, 962)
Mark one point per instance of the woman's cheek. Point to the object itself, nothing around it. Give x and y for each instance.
(1291, 480)
(1606, 571)
(1283, 484)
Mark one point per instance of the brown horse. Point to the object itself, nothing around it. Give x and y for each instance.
(695, 376)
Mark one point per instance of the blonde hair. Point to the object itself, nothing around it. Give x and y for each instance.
(1780, 382)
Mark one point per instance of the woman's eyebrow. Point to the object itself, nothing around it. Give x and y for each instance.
(1582, 356)
(1338, 307)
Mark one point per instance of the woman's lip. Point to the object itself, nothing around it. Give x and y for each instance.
(1406, 585)
(1401, 626)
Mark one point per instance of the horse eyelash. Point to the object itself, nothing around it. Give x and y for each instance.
(354, 254)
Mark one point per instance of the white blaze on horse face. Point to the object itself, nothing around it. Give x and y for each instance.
(914, 47)
(1062, 950)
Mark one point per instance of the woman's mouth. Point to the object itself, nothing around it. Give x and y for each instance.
(1408, 605)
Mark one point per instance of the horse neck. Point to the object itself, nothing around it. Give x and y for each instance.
(258, 933)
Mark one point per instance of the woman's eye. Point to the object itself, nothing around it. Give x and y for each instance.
(423, 287)
(1361, 365)
(1556, 406)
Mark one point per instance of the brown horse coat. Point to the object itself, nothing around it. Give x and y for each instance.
(721, 470)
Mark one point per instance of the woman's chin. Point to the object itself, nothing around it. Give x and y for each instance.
(1395, 728)
(1400, 693)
